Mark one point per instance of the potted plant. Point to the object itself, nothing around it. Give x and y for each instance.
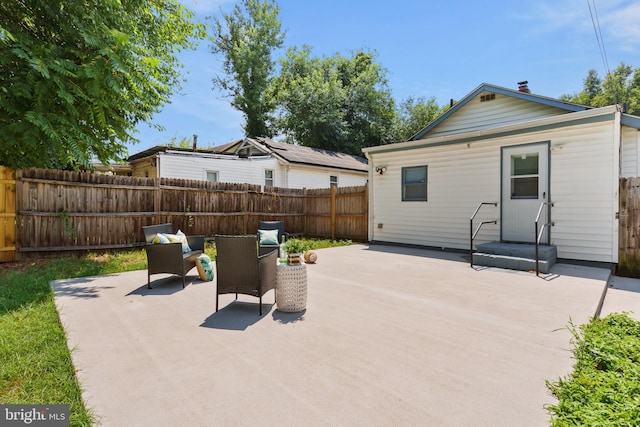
(295, 248)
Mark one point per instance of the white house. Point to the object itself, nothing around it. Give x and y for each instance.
(255, 161)
(517, 150)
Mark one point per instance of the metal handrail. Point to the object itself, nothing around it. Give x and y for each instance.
(538, 235)
(472, 234)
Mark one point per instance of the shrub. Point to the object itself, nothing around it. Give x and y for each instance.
(604, 388)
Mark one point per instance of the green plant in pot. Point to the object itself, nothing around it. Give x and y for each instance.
(295, 248)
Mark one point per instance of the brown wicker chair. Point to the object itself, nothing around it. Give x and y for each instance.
(168, 258)
(240, 270)
(272, 225)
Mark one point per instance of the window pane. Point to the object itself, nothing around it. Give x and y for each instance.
(415, 192)
(524, 188)
(212, 176)
(415, 175)
(333, 181)
(414, 183)
(524, 164)
(268, 178)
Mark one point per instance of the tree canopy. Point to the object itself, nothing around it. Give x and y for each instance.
(620, 86)
(246, 39)
(413, 115)
(336, 103)
(77, 77)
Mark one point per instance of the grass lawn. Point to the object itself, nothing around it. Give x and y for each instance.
(35, 363)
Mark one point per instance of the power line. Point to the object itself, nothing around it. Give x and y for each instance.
(596, 28)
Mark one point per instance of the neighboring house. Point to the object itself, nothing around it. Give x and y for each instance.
(255, 161)
(518, 150)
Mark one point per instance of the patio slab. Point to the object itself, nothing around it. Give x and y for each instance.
(390, 336)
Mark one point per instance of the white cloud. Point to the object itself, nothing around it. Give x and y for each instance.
(618, 20)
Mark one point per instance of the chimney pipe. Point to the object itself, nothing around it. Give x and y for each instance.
(195, 142)
(523, 86)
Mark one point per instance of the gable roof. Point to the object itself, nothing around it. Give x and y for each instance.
(517, 94)
(296, 154)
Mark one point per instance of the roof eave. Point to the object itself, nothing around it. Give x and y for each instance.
(550, 102)
(453, 139)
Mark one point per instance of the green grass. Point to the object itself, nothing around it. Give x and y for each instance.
(35, 363)
(604, 388)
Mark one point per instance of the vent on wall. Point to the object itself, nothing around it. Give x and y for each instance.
(487, 97)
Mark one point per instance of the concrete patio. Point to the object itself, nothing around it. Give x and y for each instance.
(391, 336)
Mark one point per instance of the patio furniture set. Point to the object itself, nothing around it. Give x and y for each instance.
(247, 264)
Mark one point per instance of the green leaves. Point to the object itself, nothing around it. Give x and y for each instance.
(604, 388)
(77, 77)
(246, 39)
(335, 103)
(620, 86)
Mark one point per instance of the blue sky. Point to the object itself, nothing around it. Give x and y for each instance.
(440, 49)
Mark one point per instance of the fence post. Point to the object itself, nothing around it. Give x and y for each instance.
(334, 191)
(8, 211)
(157, 200)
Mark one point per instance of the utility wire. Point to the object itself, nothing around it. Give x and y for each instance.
(596, 28)
(603, 52)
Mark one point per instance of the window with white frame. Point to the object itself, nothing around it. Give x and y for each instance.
(212, 176)
(333, 180)
(268, 178)
(414, 184)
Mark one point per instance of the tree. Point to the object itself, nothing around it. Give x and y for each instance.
(77, 77)
(413, 115)
(246, 37)
(334, 103)
(621, 86)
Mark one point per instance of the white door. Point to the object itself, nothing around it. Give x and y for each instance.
(525, 185)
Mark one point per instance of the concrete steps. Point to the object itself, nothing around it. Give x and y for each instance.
(515, 256)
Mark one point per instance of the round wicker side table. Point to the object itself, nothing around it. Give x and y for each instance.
(291, 287)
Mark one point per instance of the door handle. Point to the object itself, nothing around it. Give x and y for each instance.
(544, 195)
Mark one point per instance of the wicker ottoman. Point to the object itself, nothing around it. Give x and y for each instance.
(291, 287)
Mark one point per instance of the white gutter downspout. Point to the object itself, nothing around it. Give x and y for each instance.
(370, 235)
(617, 173)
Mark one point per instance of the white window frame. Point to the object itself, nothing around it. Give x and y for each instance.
(267, 179)
(333, 182)
(415, 184)
(217, 176)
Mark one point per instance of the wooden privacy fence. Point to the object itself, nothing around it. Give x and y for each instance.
(629, 228)
(63, 210)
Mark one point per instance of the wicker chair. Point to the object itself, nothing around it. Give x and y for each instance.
(168, 258)
(240, 270)
(272, 225)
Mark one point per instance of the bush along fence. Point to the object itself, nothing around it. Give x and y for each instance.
(63, 210)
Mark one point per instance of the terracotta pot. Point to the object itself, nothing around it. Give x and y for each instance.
(310, 257)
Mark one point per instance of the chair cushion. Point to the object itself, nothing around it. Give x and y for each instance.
(268, 237)
(179, 237)
(160, 239)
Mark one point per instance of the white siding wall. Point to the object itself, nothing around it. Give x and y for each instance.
(462, 176)
(252, 171)
(630, 159)
(229, 170)
(503, 110)
(308, 177)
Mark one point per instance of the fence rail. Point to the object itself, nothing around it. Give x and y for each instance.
(62, 210)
